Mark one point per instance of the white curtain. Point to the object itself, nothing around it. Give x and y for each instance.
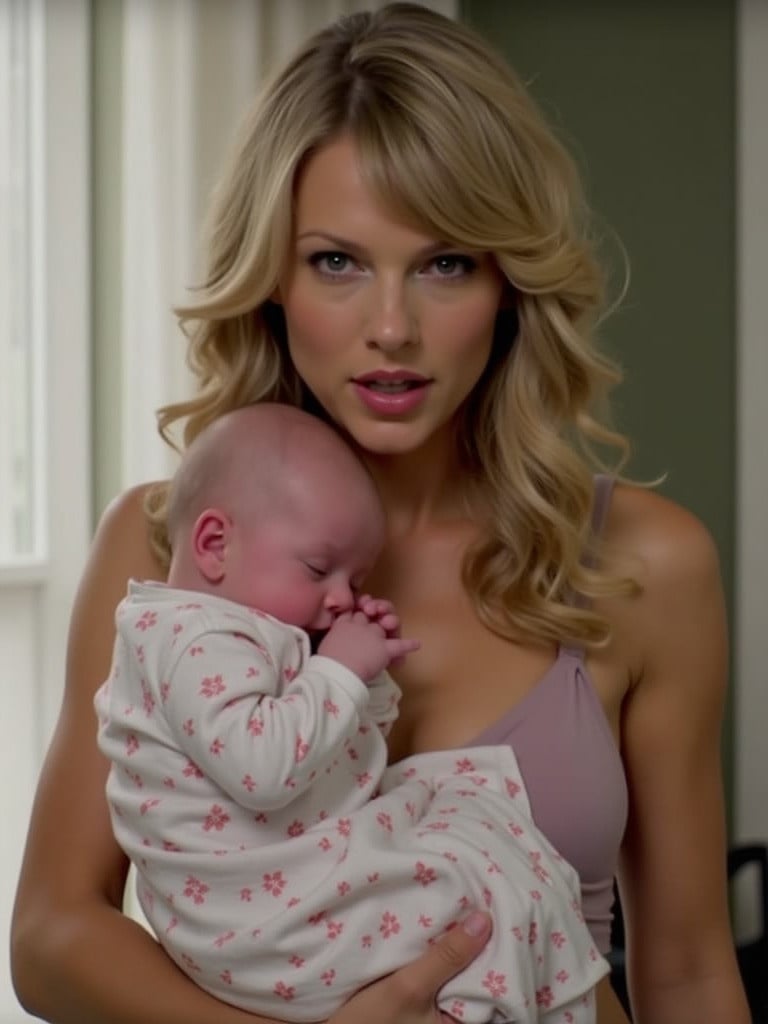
(189, 70)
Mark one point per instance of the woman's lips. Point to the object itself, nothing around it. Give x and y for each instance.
(391, 392)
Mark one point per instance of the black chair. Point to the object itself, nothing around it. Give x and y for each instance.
(752, 955)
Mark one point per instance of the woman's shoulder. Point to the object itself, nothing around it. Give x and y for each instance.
(663, 538)
(673, 557)
(122, 538)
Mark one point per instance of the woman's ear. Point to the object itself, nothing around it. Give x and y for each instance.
(210, 536)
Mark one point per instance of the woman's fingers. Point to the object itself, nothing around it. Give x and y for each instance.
(417, 984)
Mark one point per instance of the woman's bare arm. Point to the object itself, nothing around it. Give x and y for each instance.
(681, 957)
(76, 959)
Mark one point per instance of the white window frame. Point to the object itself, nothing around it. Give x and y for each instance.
(36, 593)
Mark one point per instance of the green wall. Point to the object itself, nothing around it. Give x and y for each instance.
(645, 96)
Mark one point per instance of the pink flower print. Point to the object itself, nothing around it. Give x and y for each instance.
(148, 805)
(289, 673)
(246, 895)
(408, 773)
(562, 976)
(424, 876)
(495, 983)
(424, 921)
(538, 868)
(131, 744)
(544, 997)
(438, 826)
(135, 778)
(389, 925)
(558, 939)
(223, 939)
(165, 689)
(297, 961)
(146, 621)
(216, 747)
(286, 992)
(385, 820)
(177, 628)
(464, 765)
(255, 726)
(171, 847)
(363, 779)
(518, 933)
(533, 933)
(296, 828)
(195, 890)
(330, 708)
(325, 844)
(252, 672)
(212, 686)
(173, 923)
(189, 963)
(464, 902)
(343, 888)
(353, 754)
(333, 929)
(451, 857)
(191, 771)
(344, 826)
(366, 942)
(140, 653)
(226, 977)
(327, 977)
(293, 901)
(513, 788)
(515, 829)
(487, 897)
(147, 700)
(457, 1009)
(373, 878)
(261, 818)
(189, 727)
(301, 751)
(568, 1017)
(273, 883)
(249, 783)
(217, 818)
(536, 895)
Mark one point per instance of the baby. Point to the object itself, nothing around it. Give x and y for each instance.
(280, 862)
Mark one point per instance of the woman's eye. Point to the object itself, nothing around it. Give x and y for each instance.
(331, 263)
(451, 265)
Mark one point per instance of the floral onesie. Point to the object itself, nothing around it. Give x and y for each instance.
(281, 864)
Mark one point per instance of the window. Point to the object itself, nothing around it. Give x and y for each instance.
(21, 427)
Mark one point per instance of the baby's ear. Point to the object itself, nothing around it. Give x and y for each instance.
(210, 536)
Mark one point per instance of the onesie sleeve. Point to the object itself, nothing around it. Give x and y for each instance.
(384, 697)
(242, 716)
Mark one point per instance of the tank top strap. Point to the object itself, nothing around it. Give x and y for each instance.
(601, 502)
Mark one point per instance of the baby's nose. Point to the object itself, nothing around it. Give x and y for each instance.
(339, 599)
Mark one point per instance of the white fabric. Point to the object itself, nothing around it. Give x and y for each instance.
(244, 789)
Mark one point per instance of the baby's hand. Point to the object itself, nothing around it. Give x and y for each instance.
(365, 644)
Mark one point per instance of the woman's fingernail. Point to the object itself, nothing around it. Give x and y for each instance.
(475, 925)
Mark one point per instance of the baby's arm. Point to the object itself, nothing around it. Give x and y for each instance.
(262, 739)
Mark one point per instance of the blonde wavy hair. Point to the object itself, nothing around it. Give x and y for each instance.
(448, 136)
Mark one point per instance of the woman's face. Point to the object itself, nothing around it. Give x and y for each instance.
(388, 327)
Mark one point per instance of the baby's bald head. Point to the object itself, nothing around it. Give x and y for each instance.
(257, 460)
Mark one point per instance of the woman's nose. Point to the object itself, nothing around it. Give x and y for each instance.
(391, 323)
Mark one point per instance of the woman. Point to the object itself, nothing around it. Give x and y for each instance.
(400, 245)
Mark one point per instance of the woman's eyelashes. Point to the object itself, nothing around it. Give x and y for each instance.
(445, 266)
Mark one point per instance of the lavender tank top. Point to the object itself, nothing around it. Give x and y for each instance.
(572, 768)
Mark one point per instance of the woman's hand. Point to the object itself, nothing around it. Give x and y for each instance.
(408, 996)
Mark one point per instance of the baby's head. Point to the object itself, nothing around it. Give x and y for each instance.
(270, 508)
